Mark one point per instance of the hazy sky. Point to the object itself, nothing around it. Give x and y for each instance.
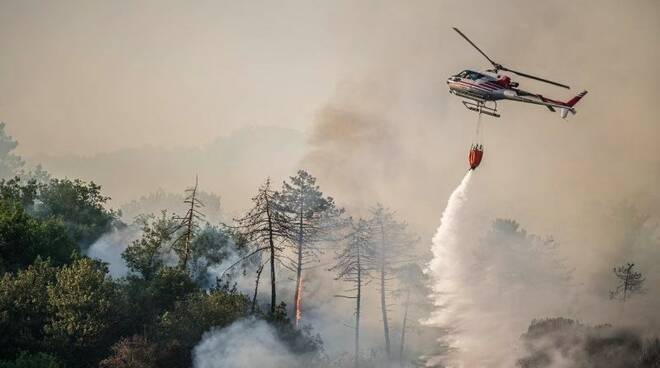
(85, 77)
(93, 76)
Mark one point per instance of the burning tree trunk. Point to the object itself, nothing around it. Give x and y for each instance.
(313, 216)
(351, 266)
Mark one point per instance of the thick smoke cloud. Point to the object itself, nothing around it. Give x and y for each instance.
(245, 344)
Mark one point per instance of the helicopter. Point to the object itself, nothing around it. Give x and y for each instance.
(482, 89)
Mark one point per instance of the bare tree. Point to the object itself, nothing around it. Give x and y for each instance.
(264, 228)
(629, 282)
(312, 216)
(352, 266)
(391, 239)
(188, 225)
(256, 287)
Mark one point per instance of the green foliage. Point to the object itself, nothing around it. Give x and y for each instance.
(146, 255)
(80, 206)
(131, 352)
(23, 238)
(183, 327)
(83, 301)
(144, 301)
(35, 360)
(24, 308)
(10, 163)
(212, 246)
(19, 191)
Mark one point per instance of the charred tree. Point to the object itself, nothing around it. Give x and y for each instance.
(188, 225)
(312, 217)
(352, 266)
(264, 228)
(256, 287)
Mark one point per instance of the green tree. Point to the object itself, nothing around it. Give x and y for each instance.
(10, 163)
(35, 360)
(20, 191)
(24, 308)
(143, 302)
(23, 238)
(182, 328)
(212, 246)
(80, 206)
(131, 352)
(147, 255)
(84, 310)
(312, 217)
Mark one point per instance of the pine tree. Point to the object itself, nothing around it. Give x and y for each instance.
(352, 266)
(630, 282)
(264, 228)
(10, 164)
(392, 240)
(312, 217)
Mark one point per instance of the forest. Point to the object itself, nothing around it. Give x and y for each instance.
(205, 291)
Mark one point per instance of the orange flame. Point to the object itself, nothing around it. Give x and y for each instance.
(299, 302)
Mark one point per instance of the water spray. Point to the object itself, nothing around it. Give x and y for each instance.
(444, 249)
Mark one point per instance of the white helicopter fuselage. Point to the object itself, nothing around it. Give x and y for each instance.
(483, 88)
(479, 86)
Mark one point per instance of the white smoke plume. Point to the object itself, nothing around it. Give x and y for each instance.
(244, 344)
(109, 247)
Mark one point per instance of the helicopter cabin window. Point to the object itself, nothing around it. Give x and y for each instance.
(474, 75)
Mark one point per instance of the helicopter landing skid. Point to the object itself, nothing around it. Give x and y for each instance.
(481, 108)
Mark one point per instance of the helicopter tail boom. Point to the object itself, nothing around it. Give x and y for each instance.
(574, 100)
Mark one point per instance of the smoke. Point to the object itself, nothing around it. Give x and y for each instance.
(109, 247)
(244, 344)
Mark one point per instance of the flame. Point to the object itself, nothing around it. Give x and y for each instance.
(299, 301)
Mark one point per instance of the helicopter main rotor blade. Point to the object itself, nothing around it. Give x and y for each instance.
(495, 65)
(535, 78)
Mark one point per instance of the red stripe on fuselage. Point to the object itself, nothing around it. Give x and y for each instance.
(482, 86)
(473, 86)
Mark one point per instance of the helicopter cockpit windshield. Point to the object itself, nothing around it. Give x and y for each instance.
(469, 74)
(473, 75)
